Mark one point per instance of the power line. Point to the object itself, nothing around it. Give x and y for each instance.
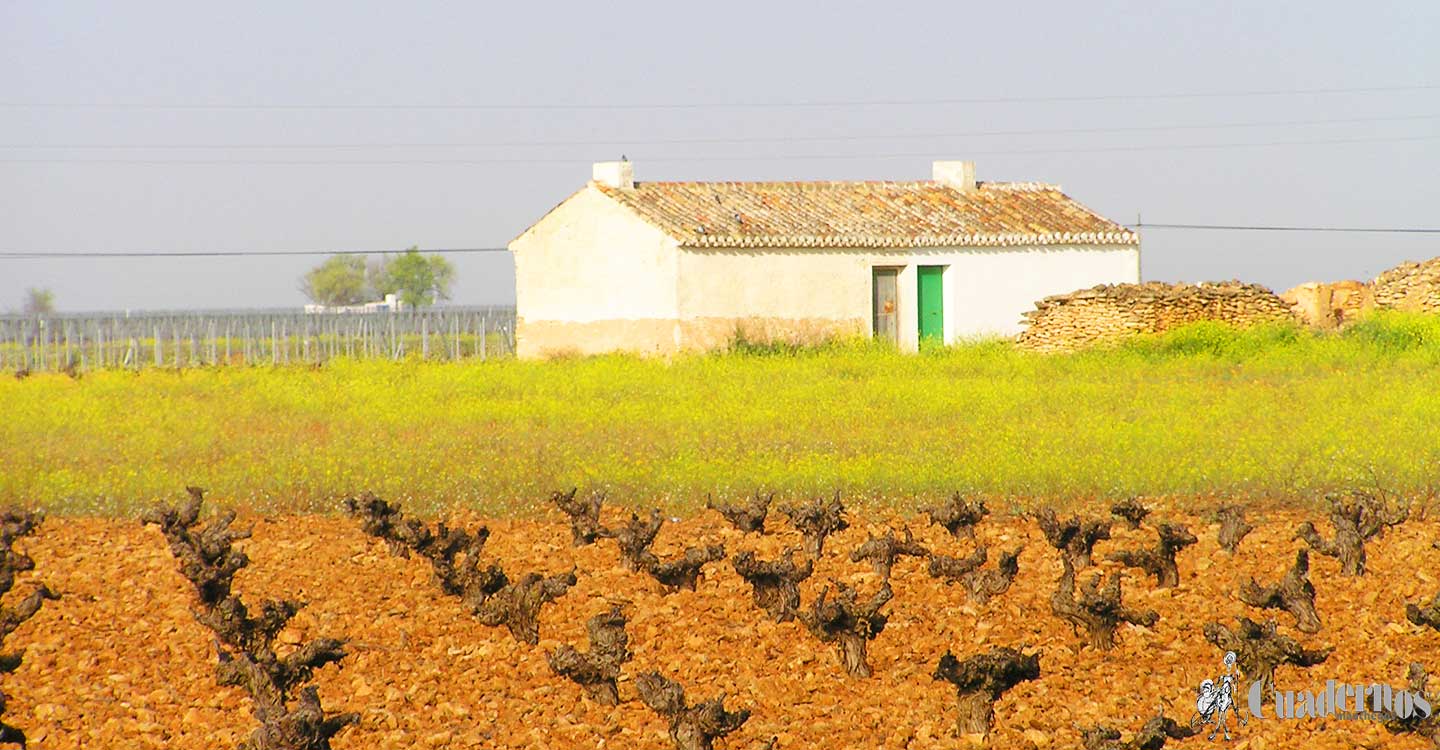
(724, 158)
(58, 254)
(723, 105)
(1250, 228)
(52, 254)
(775, 139)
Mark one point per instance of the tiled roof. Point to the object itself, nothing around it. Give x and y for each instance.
(866, 214)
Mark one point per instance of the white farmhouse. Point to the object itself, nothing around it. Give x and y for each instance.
(660, 267)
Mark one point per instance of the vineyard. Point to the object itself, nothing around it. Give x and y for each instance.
(80, 343)
(762, 624)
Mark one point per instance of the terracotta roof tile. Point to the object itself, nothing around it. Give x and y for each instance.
(866, 214)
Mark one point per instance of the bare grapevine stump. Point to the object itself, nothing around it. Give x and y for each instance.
(1074, 537)
(953, 569)
(14, 524)
(1233, 527)
(455, 555)
(1131, 511)
(635, 537)
(691, 727)
(245, 644)
(1429, 615)
(517, 605)
(1099, 611)
(1159, 561)
(301, 727)
(597, 669)
(1356, 520)
(882, 552)
(1423, 726)
(980, 681)
(848, 624)
(1152, 736)
(748, 518)
(1294, 594)
(958, 515)
(684, 571)
(584, 515)
(980, 583)
(1258, 650)
(774, 583)
(817, 520)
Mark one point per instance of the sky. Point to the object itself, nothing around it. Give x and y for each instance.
(367, 126)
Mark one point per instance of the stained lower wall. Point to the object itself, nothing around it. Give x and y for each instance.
(985, 290)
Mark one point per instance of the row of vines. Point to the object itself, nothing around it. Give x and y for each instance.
(844, 618)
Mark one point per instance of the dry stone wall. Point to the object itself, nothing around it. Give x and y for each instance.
(1327, 306)
(1108, 312)
(1409, 286)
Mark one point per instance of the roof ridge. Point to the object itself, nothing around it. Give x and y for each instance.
(872, 213)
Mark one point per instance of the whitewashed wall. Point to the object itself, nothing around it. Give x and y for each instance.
(591, 276)
(985, 290)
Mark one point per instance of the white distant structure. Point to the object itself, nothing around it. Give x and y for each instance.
(660, 267)
(391, 303)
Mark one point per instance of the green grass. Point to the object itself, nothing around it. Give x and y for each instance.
(1203, 411)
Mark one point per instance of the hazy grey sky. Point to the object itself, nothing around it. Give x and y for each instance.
(278, 70)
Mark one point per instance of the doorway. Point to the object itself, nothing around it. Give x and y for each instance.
(885, 310)
(930, 303)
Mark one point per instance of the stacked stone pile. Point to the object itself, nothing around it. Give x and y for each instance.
(1103, 313)
(1409, 286)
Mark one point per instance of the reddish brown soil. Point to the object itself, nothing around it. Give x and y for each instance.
(120, 661)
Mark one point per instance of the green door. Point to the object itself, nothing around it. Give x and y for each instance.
(931, 304)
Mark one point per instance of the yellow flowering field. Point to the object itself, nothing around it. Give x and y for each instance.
(1204, 411)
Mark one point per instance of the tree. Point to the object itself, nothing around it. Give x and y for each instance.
(39, 301)
(418, 279)
(340, 280)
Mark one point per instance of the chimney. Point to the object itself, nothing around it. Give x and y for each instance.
(957, 174)
(616, 174)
